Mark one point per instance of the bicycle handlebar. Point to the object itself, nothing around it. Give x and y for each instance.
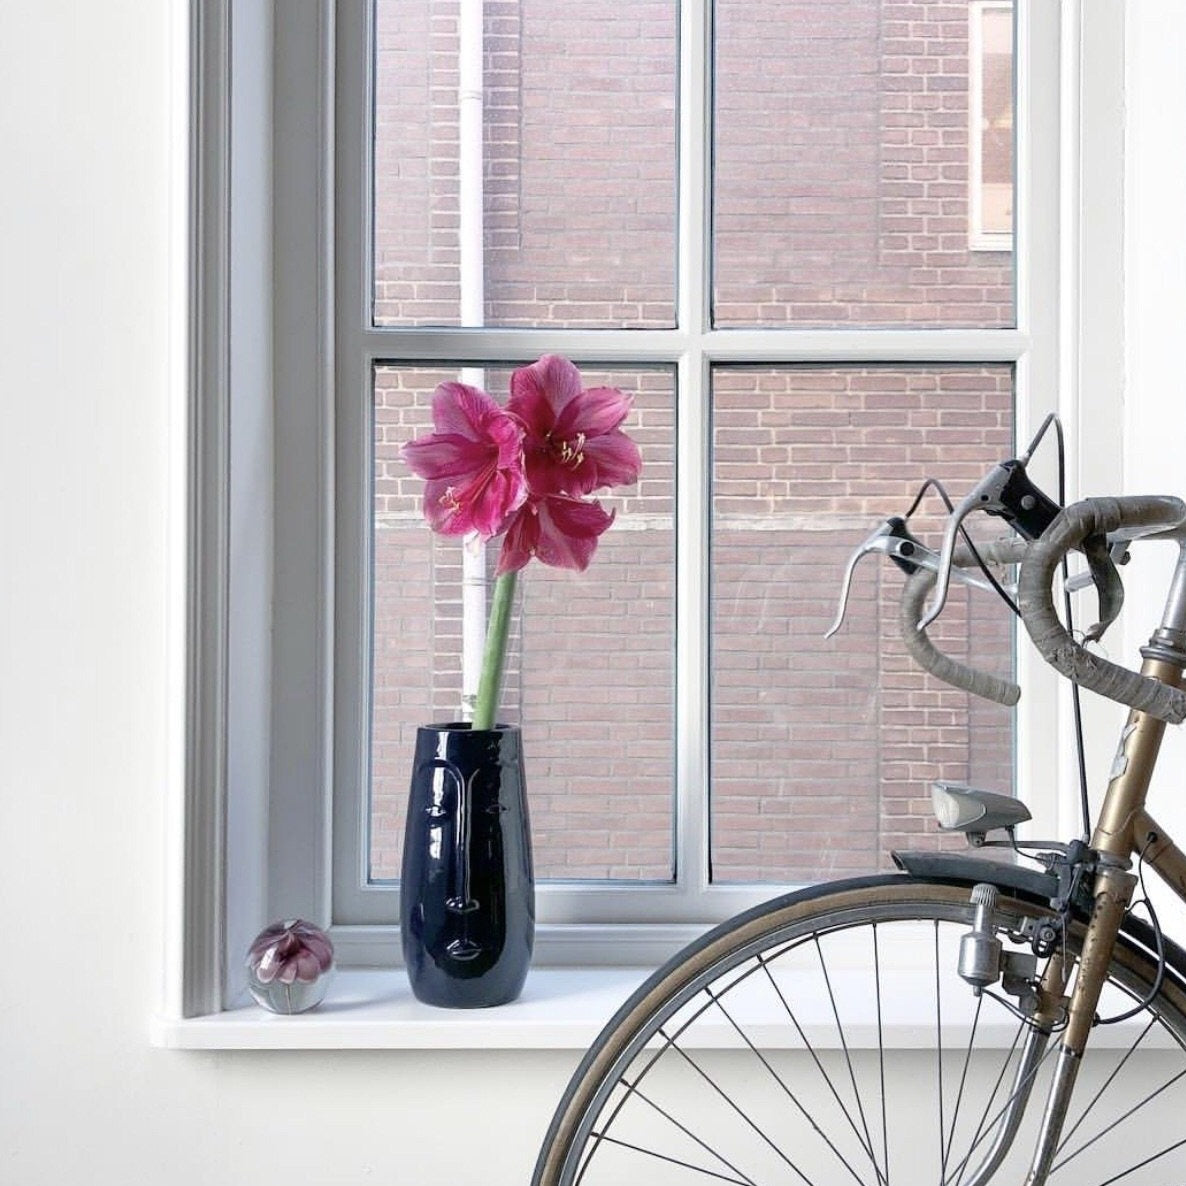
(1071, 528)
(927, 655)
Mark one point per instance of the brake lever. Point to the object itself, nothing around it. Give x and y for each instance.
(1005, 492)
(1118, 553)
(895, 540)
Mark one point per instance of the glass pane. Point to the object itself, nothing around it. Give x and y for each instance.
(823, 751)
(590, 673)
(991, 64)
(843, 153)
(537, 187)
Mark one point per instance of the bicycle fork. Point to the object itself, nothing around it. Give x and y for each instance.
(1046, 1014)
(1115, 840)
(1124, 828)
(1114, 888)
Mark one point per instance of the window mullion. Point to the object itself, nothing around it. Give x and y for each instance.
(693, 477)
(695, 167)
(693, 623)
(773, 345)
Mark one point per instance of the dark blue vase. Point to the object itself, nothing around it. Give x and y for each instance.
(467, 910)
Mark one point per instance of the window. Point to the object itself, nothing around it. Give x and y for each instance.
(776, 261)
(990, 135)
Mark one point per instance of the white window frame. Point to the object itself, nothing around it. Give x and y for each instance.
(266, 715)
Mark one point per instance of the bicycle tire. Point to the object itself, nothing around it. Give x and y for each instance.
(808, 1130)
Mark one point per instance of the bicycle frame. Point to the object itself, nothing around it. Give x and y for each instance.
(1124, 829)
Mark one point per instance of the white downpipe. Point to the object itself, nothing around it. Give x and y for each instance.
(471, 270)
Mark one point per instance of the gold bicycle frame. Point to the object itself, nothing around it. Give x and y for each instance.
(1124, 830)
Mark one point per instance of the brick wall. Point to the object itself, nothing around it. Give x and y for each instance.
(840, 198)
(842, 167)
(823, 750)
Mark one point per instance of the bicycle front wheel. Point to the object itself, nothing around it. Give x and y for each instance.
(827, 1038)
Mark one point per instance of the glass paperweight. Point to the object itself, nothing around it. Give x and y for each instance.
(289, 966)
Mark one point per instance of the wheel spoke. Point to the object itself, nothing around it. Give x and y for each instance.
(786, 1090)
(939, 1057)
(1121, 1119)
(987, 1128)
(1132, 1169)
(740, 1111)
(632, 1090)
(880, 1060)
(843, 1044)
(844, 1111)
(687, 1165)
(1095, 1099)
(741, 1176)
(959, 1095)
(983, 1123)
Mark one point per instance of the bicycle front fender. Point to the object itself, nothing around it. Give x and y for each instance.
(962, 869)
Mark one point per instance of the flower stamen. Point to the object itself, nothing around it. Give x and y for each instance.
(572, 453)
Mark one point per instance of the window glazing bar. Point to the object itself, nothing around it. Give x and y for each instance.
(835, 346)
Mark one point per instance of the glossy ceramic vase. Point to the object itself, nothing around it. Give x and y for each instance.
(467, 910)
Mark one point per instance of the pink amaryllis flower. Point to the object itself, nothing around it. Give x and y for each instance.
(527, 471)
(573, 441)
(472, 464)
(559, 530)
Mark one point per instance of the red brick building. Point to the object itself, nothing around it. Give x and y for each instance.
(862, 178)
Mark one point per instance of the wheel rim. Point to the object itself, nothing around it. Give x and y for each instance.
(793, 1057)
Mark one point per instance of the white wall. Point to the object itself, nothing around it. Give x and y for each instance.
(1155, 314)
(85, 128)
(85, 125)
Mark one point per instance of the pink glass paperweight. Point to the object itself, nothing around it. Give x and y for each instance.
(289, 966)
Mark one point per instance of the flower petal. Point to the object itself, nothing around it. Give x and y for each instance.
(568, 531)
(447, 455)
(540, 393)
(462, 409)
(307, 966)
(609, 460)
(481, 504)
(520, 541)
(598, 410)
(473, 464)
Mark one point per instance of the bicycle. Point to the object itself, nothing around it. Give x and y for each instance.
(1038, 982)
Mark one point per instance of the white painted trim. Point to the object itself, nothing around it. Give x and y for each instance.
(251, 478)
(693, 444)
(1154, 410)
(655, 346)
(1093, 319)
(350, 896)
(607, 944)
(566, 1008)
(692, 349)
(1040, 226)
(194, 980)
(303, 605)
(180, 954)
(297, 874)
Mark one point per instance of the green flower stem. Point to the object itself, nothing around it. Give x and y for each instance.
(495, 654)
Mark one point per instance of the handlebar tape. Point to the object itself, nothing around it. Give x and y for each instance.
(1073, 526)
(927, 655)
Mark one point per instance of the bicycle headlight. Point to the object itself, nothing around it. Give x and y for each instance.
(960, 808)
